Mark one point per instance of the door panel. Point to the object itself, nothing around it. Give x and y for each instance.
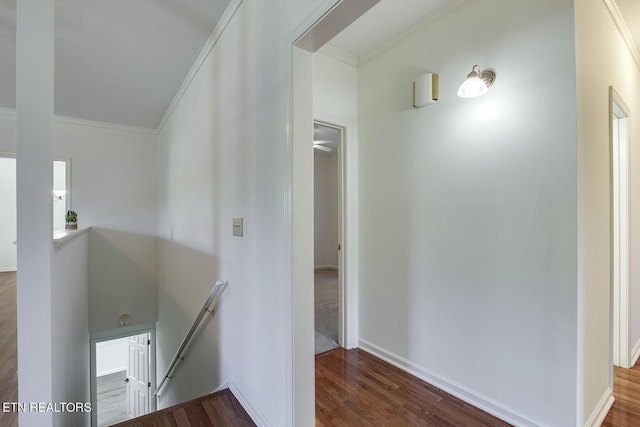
(138, 375)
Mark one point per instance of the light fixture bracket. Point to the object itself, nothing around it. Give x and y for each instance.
(488, 76)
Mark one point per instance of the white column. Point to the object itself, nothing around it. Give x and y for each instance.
(34, 105)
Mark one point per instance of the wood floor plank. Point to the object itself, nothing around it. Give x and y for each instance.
(354, 388)
(217, 409)
(626, 390)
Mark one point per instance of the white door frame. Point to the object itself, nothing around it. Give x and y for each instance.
(619, 178)
(112, 335)
(327, 20)
(347, 279)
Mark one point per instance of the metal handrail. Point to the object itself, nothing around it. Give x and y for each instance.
(208, 307)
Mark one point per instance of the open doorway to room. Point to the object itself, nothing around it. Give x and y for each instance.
(123, 373)
(8, 214)
(328, 278)
(8, 302)
(619, 149)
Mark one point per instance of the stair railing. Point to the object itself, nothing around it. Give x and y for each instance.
(209, 307)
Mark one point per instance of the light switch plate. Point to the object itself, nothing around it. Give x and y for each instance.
(238, 227)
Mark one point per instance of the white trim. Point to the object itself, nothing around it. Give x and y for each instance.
(619, 153)
(419, 26)
(325, 267)
(11, 112)
(62, 237)
(257, 416)
(623, 28)
(104, 125)
(601, 410)
(7, 269)
(635, 354)
(223, 386)
(339, 55)
(228, 14)
(127, 331)
(460, 391)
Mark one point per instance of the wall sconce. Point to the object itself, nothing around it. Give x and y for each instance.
(425, 90)
(58, 195)
(477, 83)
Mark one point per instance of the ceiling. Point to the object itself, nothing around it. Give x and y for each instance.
(390, 17)
(384, 20)
(123, 61)
(117, 61)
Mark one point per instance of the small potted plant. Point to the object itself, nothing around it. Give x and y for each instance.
(72, 220)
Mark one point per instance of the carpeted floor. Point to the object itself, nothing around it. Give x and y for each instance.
(326, 310)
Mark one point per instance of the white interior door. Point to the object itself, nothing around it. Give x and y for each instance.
(138, 384)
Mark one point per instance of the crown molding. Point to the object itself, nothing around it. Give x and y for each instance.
(421, 25)
(228, 14)
(623, 28)
(104, 125)
(11, 112)
(339, 54)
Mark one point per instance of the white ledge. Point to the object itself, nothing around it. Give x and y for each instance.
(62, 237)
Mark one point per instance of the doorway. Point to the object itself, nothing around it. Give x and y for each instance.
(328, 278)
(123, 374)
(619, 114)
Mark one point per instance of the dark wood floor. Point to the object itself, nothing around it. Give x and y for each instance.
(626, 389)
(218, 409)
(354, 388)
(8, 347)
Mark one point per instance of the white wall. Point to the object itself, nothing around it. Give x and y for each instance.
(70, 328)
(112, 356)
(207, 166)
(113, 188)
(603, 59)
(468, 226)
(326, 213)
(8, 231)
(113, 174)
(222, 155)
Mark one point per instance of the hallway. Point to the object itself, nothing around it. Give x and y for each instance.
(8, 347)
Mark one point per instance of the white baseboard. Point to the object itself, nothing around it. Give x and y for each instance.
(635, 354)
(325, 267)
(460, 391)
(221, 387)
(601, 410)
(8, 269)
(257, 416)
